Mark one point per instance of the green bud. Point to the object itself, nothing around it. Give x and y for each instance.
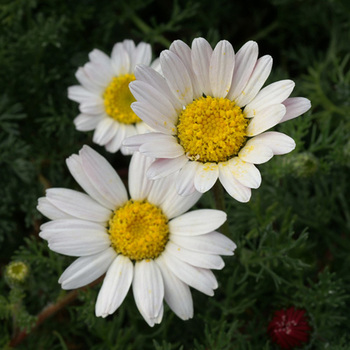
(16, 273)
(304, 165)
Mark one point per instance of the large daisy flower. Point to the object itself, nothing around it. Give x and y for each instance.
(147, 241)
(104, 97)
(210, 116)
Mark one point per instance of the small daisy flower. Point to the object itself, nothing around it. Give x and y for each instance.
(147, 241)
(289, 328)
(210, 116)
(104, 97)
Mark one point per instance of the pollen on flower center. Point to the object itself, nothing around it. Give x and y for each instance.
(118, 98)
(212, 129)
(139, 230)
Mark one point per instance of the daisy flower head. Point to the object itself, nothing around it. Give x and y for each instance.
(210, 115)
(148, 242)
(104, 97)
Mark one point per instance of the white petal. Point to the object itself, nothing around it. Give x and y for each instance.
(141, 55)
(206, 261)
(233, 187)
(120, 60)
(257, 79)
(103, 176)
(92, 106)
(148, 288)
(153, 118)
(245, 62)
(77, 204)
(50, 211)
(86, 269)
(161, 149)
(165, 166)
(266, 119)
(183, 51)
(85, 122)
(156, 80)
(197, 222)
(97, 73)
(134, 142)
(295, 106)
(116, 142)
(246, 173)
(104, 131)
(99, 57)
(201, 56)
(177, 294)
(213, 243)
(278, 142)
(79, 242)
(177, 76)
(143, 92)
(206, 176)
(139, 185)
(84, 80)
(115, 286)
(272, 94)
(195, 277)
(255, 152)
(221, 68)
(185, 180)
(79, 94)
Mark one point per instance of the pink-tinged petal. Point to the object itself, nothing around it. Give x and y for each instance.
(183, 51)
(161, 149)
(185, 179)
(75, 167)
(246, 173)
(115, 286)
(141, 55)
(116, 142)
(79, 94)
(139, 185)
(177, 294)
(279, 143)
(120, 60)
(93, 106)
(213, 243)
(87, 269)
(147, 94)
(195, 277)
(97, 74)
(206, 261)
(266, 119)
(233, 187)
(154, 118)
(295, 107)
(257, 79)
(103, 61)
(255, 152)
(104, 131)
(148, 288)
(245, 62)
(165, 166)
(85, 80)
(201, 57)
(78, 205)
(103, 176)
(85, 122)
(50, 211)
(197, 222)
(206, 176)
(156, 80)
(177, 76)
(272, 94)
(221, 68)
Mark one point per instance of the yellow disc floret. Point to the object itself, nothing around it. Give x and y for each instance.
(139, 230)
(118, 98)
(212, 129)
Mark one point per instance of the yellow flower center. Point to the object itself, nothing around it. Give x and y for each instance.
(139, 230)
(212, 129)
(118, 98)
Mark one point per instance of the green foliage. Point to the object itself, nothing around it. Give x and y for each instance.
(292, 237)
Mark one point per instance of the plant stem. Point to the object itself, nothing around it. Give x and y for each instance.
(219, 198)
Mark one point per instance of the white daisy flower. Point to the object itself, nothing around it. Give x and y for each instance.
(146, 241)
(104, 97)
(210, 116)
